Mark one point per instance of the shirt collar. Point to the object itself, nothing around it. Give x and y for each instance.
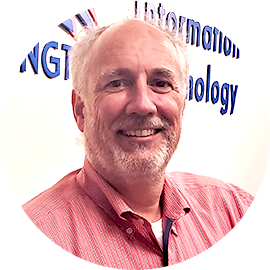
(174, 203)
(103, 194)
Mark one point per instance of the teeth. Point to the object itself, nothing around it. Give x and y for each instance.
(139, 133)
(145, 133)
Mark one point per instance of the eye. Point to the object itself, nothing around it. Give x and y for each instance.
(117, 85)
(161, 86)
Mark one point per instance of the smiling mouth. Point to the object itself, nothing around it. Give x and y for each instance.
(139, 133)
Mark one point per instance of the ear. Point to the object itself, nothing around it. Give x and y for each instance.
(77, 106)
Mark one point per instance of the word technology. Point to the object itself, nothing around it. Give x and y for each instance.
(200, 89)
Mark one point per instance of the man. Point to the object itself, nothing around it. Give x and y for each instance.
(121, 210)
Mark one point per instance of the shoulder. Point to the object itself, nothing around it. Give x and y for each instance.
(190, 180)
(53, 198)
(192, 184)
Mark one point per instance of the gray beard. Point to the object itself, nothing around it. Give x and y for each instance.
(99, 150)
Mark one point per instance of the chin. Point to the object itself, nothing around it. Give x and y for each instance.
(141, 162)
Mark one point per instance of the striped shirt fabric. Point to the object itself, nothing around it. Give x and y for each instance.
(88, 218)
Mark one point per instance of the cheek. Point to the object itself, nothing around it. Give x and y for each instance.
(109, 107)
(172, 107)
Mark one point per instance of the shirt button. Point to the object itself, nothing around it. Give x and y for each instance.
(129, 230)
(141, 221)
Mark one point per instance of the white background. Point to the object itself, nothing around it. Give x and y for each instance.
(39, 138)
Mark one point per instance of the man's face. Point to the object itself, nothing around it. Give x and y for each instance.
(134, 101)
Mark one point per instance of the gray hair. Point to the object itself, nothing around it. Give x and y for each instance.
(79, 55)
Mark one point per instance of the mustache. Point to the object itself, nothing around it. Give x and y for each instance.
(135, 121)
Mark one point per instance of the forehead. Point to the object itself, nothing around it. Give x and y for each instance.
(133, 42)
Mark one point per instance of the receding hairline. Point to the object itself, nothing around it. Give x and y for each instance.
(125, 24)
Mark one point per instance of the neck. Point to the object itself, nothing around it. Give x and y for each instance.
(141, 193)
(144, 198)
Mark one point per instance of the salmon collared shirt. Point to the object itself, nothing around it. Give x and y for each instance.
(84, 215)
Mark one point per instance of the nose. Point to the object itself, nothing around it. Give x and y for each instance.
(141, 100)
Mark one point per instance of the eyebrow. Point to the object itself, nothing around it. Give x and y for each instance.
(115, 72)
(163, 72)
